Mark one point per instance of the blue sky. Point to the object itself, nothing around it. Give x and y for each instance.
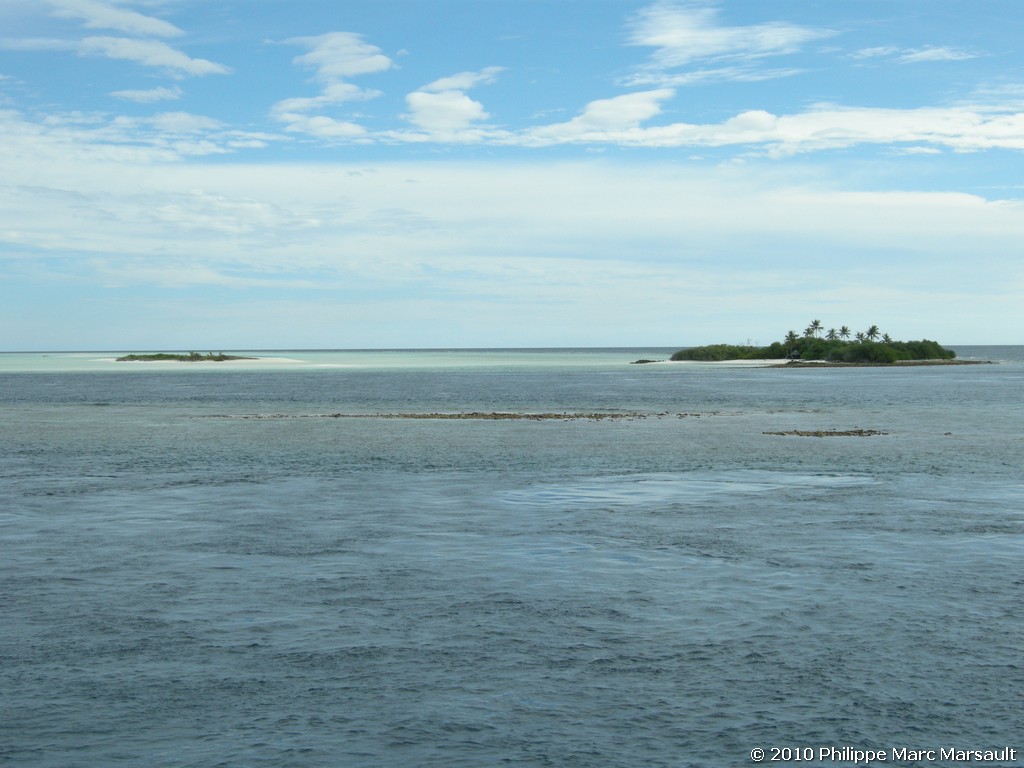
(481, 173)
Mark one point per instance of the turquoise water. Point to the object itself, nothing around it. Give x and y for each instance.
(263, 565)
(304, 360)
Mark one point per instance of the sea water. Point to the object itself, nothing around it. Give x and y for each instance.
(270, 563)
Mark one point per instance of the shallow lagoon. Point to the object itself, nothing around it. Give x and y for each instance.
(184, 587)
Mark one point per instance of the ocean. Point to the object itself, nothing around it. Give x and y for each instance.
(307, 561)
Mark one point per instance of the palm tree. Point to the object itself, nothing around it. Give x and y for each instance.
(791, 338)
(859, 336)
(872, 332)
(831, 335)
(887, 338)
(814, 328)
(844, 332)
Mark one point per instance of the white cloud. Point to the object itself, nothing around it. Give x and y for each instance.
(598, 240)
(443, 107)
(178, 123)
(958, 128)
(876, 52)
(99, 15)
(713, 75)
(181, 133)
(288, 110)
(335, 56)
(444, 111)
(150, 95)
(936, 53)
(150, 53)
(339, 55)
(78, 137)
(141, 48)
(1004, 97)
(825, 127)
(684, 33)
(623, 111)
(605, 119)
(463, 81)
(322, 127)
(915, 55)
(452, 116)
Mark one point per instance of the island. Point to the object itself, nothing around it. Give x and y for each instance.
(191, 357)
(832, 347)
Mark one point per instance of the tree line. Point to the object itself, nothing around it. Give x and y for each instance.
(833, 345)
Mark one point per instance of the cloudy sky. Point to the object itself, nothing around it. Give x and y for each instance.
(503, 173)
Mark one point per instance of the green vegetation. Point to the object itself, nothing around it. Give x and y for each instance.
(191, 357)
(868, 347)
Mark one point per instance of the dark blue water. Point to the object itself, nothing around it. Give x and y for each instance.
(183, 585)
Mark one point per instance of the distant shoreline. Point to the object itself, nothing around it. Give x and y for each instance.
(896, 364)
(191, 357)
(774, 363)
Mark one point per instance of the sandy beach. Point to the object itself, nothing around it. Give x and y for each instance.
(242, 361)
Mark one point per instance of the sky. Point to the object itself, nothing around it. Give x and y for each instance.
(347, 174)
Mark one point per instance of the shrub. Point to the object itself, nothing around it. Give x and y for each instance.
(814, 348)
